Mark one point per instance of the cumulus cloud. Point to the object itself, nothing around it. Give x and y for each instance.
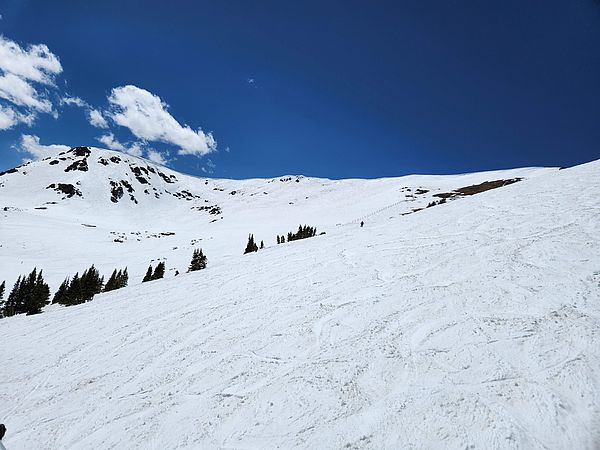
(147, 117)
(22, 71)
(136, 149)
(31, 144)
(156, 157)
(96, 119)
(112, 143)
(74, 101)
(9, 118)
(22, 93)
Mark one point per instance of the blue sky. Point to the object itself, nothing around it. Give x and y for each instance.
(334, 89)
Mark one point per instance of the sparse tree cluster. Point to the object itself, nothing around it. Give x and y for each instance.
(28, 296)
(30, 293)
(79, 289)
(117, 280)
(198, 261)
(251, 245)
(302, 233)
(156, 274)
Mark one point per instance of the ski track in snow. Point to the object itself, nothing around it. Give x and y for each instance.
(473, 324)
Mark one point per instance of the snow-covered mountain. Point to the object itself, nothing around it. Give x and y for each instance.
(469, 324)
(90, 206)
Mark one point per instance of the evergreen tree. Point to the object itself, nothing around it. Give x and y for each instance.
(282, 239)
(251, 245)
(198, 261)
(60, 295)
(29, 295)
(91, 284)
(159, 272)
(2, 289)
(122, 278)
(12, 303)
(262, 245)
(148, 275)
(278, 240)
(117, 280)
(112, 282)
(74, 293)
(304, 231)
(40, 293)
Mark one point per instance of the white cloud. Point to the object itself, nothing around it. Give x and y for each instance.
(136, 149)
(74, 101)
(157, 157)
(21, 93)
(109, 140)
(36, 63)
(21, 71)
(146, 116)
(111, 143)
(97, 119)
(31, 144)
(9, 118)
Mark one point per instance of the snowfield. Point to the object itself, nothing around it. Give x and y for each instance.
(470, 324)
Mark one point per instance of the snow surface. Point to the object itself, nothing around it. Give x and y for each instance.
(70, 234)
(472, 324)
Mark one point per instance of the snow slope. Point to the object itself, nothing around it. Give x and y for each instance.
(471, 324)
(63, 235)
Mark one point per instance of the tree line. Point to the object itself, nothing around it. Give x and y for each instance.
(304, 231)
(31, 293)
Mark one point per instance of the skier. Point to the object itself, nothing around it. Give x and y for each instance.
(362, 223)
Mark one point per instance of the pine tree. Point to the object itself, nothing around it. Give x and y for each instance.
(91, 284)
(29, 295)
(117, 280)
(159, 272)
(198, 261)
(60, 295)
(12, 303)
(148, 275)
(112, 282)
(40, 293)
(278, 240)
(262, 245)
(282, 239)
(2, 289)
(251, 245)
(123, 278)
(74, 293)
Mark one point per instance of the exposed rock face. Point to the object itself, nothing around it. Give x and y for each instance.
(68, 189)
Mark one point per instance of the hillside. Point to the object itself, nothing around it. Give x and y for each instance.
(470, 324)
(91, 206)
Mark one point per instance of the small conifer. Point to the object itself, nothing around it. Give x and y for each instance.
(159, 272)
(148, 275)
